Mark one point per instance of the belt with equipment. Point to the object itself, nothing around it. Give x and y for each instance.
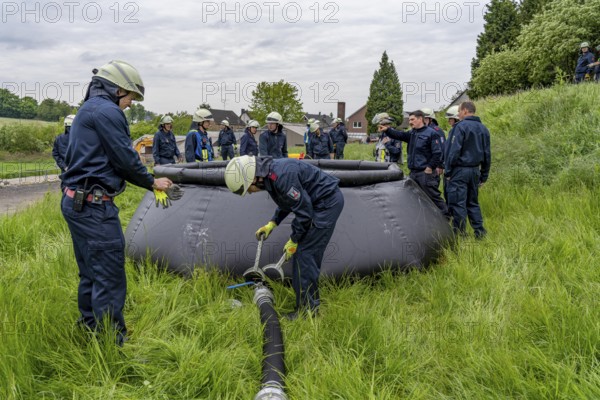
(92, 197)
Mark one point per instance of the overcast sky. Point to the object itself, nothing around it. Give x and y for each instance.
(189, 52)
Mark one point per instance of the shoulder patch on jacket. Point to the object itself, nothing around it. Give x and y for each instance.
(294, 193)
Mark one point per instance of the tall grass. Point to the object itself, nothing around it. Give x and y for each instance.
(514, 316)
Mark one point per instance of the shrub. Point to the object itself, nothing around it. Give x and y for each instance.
(500, 73)
(26, 138)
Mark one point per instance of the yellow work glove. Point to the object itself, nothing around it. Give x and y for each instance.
(164, 197)
(265, 230)
(161, 198)
(290, 249)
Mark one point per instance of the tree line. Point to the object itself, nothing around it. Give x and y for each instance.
(531, 43)
(11, 106)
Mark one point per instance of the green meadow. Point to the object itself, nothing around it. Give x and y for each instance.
(514, 316)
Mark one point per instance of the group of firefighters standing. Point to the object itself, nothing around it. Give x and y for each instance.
(462, 159)
(96, 158)
(271, 142)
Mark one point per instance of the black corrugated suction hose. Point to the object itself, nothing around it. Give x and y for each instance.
(273, 371)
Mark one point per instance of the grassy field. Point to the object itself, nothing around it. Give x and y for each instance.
(21, 169)
(13, 121)
(515, 316)
(23, 164)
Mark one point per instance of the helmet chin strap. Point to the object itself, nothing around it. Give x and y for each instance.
(120, 97)
(259, 184)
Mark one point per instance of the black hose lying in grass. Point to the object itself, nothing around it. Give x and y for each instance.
(273, 371)
(350, 173)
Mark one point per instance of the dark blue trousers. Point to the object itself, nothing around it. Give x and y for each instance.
(579, 77)
(463, 190)
(430, 184)
(165, 161)
(308, 257)
(326, 156)
(99, 247)
(339, 150)
(227, 151)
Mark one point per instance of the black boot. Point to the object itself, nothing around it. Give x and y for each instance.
(304, 313)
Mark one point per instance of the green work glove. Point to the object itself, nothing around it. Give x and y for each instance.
(265, 230)
(290, 249)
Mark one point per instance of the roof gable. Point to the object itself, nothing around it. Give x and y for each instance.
(232, 117)
(355, 113)
(326, 119)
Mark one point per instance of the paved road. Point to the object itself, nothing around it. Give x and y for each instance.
(21, 193)
(30, 180)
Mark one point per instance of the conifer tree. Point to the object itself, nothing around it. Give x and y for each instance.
(385, 93)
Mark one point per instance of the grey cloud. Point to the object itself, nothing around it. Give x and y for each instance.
(176, 52)
(90, 58)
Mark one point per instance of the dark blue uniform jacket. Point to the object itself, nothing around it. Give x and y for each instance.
(433, 125)
(468, 145)
(339, 134)
(227, 137)
(164, 146)
(273, 144)
(582, 63)
(100, 149)
(59, 150)
(393, 147)
(320, 146)
(424, 147)
(248, 146)
(298, 187)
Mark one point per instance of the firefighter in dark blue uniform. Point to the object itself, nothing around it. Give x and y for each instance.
(307, 134)
(424, 153)
(431, 122)
(164, 145)
(273, 142)
(59, 150)
(100, 159)
(453, 119)
(339, 135)
(226, 141)
(198, 146)
(596, 66)
(316, 201)
(388, 150)
(320, 145)
(583, 63)
(468, 159)
(248, 146)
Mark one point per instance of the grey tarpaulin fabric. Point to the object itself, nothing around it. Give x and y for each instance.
(392, 223)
